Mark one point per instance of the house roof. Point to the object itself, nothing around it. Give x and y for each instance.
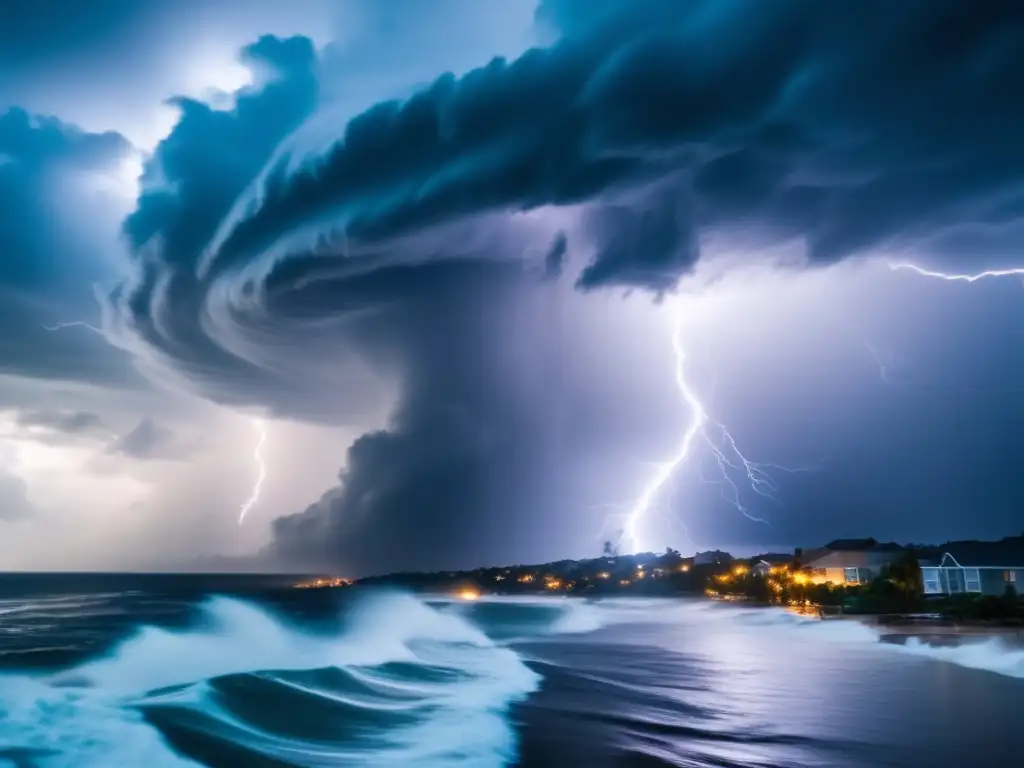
(1008, 552)
(774, 558)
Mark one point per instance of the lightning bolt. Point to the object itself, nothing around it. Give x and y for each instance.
(702, 429)
(254, 497)
(73, 324)
(960, 278)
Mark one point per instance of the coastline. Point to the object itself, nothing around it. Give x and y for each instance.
(936, 632)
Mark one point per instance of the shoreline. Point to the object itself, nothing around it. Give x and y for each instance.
(942, 634)
(935, 631)
(929, 629)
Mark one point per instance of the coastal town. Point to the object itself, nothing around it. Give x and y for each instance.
(968, 579)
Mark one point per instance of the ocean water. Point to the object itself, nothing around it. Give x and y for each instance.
(119, 671)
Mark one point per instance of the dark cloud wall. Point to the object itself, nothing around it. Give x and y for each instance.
(49, 258)
(852, 130)
(849, 129)
(188, 186)
(466, 468)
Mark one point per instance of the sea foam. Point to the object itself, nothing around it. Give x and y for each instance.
(92, 716)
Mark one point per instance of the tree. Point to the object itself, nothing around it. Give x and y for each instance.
(1009, 601)
(610, 549)
(758, 589)
(905, 573)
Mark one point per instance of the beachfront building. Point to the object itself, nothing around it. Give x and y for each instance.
(979, 567)
(713, 557)
(848, 562)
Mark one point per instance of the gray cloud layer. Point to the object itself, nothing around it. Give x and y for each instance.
(70, 422)
(147, 440)
(14, 503)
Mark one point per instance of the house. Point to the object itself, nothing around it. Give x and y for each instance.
(774, 558)
(714, 557)
(980, 567)
(850, 561)
(762, 565)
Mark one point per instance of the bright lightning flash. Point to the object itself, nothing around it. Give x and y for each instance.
(961, 278)
(254, 497)
(725, 450)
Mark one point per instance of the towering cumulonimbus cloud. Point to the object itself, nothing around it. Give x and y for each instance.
(847, 129)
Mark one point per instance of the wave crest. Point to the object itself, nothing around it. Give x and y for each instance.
(451, 685)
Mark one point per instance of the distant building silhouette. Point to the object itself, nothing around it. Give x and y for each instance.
(713, 557)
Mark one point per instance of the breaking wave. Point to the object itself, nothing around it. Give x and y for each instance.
(401, 684)
(583, 616)
(991, 655)
(391, 680)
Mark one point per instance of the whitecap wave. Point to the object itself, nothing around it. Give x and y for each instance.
(577, 616)
(992, 655)
(92, 716)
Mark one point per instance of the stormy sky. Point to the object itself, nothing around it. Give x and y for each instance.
(434, 285)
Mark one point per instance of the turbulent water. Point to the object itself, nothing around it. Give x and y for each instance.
(148, 672)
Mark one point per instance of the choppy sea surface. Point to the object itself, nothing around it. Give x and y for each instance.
(117, 671)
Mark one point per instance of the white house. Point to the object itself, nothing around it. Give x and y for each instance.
(850, 561)
(980, 567)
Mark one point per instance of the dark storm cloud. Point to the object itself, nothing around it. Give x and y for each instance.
(69, 422)
(852, 128)
(147, 440)
(554, 259)
(47, 264)
(189, 185)
(779, 118)
(664, 120)
(644, 243)
(469, 444)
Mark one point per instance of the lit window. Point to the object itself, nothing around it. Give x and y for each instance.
(851, 576)
(1010, 577)
(932, 583)
(972, 581)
